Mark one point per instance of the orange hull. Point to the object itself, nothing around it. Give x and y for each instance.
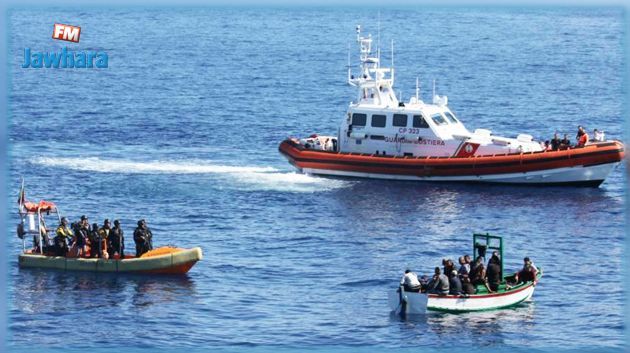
(338, 163)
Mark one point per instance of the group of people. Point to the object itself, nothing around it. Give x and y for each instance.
(464, 281)
(581, 138)
(81, 239)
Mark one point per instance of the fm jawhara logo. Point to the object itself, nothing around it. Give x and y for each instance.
(65, 58)
(66, 32)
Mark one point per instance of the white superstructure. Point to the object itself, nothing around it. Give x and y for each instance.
(378, 123)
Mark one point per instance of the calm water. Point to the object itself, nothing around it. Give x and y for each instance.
(183, 127)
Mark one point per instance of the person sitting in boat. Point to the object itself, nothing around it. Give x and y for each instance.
(547, 145)
(467, 286)
(116, 241)
(565, 142)
(410, 281)
(464, 266)
(556, 142)
(455, 284)
(528, 272)
(62, 238)
(581, 137)
(439, 283)
(103, 235)
(478, 273)
(143, 238)
(494, 272)
(598, 136)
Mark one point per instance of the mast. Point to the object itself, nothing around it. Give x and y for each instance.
(375, 83)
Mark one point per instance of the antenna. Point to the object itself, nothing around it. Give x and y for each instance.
(433, 89)
(392, 53)
(378, 38)
(392, 72)
(417, 89)
(349, 68)
(349, 55)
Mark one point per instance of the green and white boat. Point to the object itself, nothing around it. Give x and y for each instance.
(404, 302)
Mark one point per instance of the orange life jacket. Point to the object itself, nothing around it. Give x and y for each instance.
(583, 139)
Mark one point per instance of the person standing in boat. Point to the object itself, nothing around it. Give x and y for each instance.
(116, 241)
(103, 234)
(581, 137)
(410, 281)
(81, 236)
(95, 241)
(449, 266)
(478, 274)
(143, 238)
(494, 272)
(62, 238)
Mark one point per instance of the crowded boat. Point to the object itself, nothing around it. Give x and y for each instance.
(83, 246)
(473, 284)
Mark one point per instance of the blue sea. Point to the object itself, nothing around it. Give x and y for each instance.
(182, 129)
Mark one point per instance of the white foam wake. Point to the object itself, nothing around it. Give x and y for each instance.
(261, 178)
(94, 164)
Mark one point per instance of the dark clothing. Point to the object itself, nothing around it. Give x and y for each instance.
(555, 144)
(455, 285)
(61, 245)
(468, 287)
(565, 142)
(143, 239)
(80, 234)
(526, 275)
(116, 242)
(95, 244)
(494, 276)
(477, 274)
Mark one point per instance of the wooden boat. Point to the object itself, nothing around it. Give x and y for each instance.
(405, 302)
(162, 260)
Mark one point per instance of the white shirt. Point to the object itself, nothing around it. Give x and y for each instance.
(410, 279)
(599, 136)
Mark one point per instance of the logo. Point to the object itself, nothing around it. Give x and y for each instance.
(469, 148)
(66, 32)
(65, 58)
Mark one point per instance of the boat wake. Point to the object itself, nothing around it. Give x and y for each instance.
(252, 177)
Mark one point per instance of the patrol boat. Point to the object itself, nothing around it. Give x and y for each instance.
(383, 137)
(402, 302)
(163, 260)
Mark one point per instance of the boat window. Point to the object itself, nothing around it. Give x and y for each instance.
(377, 137)
(438, 119)
(378, 120)
(419, 122)
(359, 119)
(451, 117)
(400, 120)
